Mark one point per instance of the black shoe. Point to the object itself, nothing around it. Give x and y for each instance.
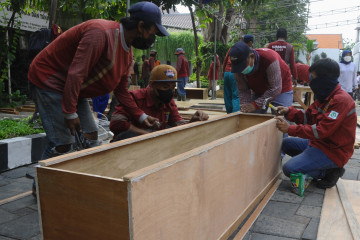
(331, 177)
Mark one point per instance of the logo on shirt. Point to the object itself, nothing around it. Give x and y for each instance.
(169, 73)
(333, 115)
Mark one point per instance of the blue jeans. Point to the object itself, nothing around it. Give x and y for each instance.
(181, 86)
(306, 159)
(231, 95)
(284, 99)
(50, 109)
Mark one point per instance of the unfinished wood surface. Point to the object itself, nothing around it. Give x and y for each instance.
(119, 158)
(200, 193)
(334, 222)
(99, 212)
(16, 197)
(245, 228)
(358, 121)
(302, 104)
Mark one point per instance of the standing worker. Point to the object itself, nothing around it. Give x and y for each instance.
(285, 50)
(231, 96)
(323, 140)
(210, 75)
(153, 59)
(260, 74)
(89, 60)
(145, 71)
(347, 78)
(249, 40)
(183, 71)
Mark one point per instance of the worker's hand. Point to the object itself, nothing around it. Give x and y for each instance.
(282, 110)
(73, 124)
(294, 82)
(282, 124)
(199, 116)
(152, 122)
(248, 108)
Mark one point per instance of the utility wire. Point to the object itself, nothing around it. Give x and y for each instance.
(335, 11)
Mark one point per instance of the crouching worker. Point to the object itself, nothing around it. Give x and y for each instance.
(322, 142)
(156, 100)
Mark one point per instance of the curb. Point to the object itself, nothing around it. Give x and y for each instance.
(19, 151)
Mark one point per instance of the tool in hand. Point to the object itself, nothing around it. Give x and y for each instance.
(267, 103)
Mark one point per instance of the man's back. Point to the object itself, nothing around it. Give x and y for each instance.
(286, 52)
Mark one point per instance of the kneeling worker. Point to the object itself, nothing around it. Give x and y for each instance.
(155, 99)
(323, 139)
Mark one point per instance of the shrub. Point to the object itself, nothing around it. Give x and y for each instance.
(10, 128)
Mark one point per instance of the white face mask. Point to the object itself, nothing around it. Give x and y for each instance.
(347, 58)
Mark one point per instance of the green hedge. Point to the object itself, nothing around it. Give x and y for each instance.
(10, 128)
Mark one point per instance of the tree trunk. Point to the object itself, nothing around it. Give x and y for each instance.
(225, 31)
(53, 8)
(198, 62)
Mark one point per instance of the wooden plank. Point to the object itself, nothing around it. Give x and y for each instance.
(123, 157)
(296, 97)
(200, 193)
(245, 228)
(349, 212)
(334, 223)
(16, 197)
(81, 206)
(358, 121)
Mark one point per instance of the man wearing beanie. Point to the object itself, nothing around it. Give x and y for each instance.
(285, 50)
(260, 74)
(89, 60)
(322, 142)
(155, 100)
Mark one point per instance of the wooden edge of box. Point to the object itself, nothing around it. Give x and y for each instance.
(141, 173)
(86, 152)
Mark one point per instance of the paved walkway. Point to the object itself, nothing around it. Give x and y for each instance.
(285, 217)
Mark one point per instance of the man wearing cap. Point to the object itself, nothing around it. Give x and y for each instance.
(89, 60)
(249, 40)
(182, 68)
(155, 100)
(260, 74)
(285, 50)
(153, 59)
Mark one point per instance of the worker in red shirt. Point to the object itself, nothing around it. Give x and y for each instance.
(260, 74)
(145, 70)
(323, 140)
(153, 59)
(302, 73)
(285, 50)
(90, 60)
(210, 75)
(182, 68)
(231, 96)
(155, 100)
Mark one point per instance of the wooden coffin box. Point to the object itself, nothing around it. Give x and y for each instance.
(196, 181)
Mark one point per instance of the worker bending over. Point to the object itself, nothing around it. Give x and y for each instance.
(260, 74)
(322, 142)
(155, 100)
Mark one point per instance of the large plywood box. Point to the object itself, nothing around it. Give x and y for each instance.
(196, 181)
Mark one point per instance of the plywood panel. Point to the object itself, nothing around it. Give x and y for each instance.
(120, 158)
(334, 223)
(75, 206)
(199, 194)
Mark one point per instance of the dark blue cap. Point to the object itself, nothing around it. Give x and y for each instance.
(148, 12)
(239, 52)
(248, 38)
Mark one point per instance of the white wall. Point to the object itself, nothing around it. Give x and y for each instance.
(356, 55)
(330, 52)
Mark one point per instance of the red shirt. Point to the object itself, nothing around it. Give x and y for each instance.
(286, 52)
(152, 63)
(210, 75)
(303, 73)
(330, 126)
(167, 113)
(182, 67)
(227, 63)
(86, 61)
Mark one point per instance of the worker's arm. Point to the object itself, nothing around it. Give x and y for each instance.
(179, 64)
(198, 116)
(326, 124)
(273, 73)
(225, 62)
(89, 50)
(120, 122)
(243, 88)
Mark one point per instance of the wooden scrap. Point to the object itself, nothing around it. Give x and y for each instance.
(9, 111)
(340, 215)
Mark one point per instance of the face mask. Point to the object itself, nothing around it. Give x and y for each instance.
(165, 96)
(322, 87)
(247, 70)
(143, 43)
(347, 58)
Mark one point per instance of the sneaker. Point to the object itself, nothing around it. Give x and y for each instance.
(332, 175)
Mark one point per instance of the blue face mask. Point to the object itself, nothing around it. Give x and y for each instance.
(247, 70)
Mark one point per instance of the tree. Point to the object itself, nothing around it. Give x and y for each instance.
(309, 49)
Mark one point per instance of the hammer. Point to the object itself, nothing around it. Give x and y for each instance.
(267, 103)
